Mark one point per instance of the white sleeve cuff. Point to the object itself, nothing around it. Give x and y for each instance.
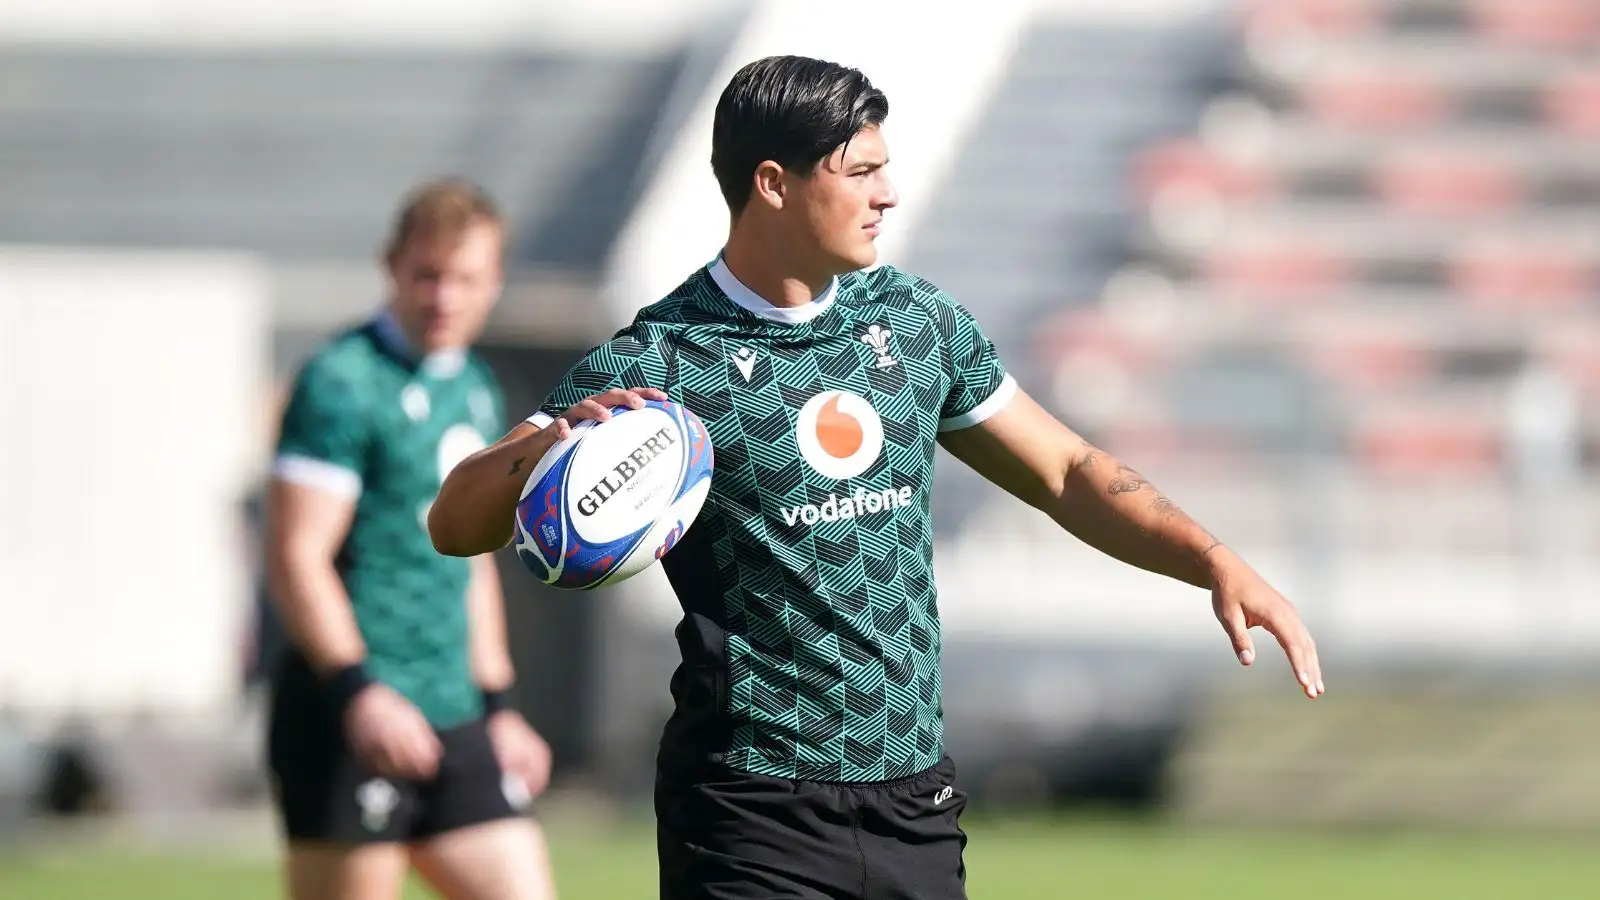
(320, 474)
(1000, 399)
(539, 420)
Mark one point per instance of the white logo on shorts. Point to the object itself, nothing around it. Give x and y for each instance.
(377, 799)
(516, 791)
(945, 793)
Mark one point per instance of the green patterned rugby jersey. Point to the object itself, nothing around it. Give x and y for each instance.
(367, 421)
(810, 636)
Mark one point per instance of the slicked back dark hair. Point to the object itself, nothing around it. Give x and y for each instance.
(793, 110)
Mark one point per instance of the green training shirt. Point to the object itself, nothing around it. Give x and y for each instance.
(368, 421)
(810, 636)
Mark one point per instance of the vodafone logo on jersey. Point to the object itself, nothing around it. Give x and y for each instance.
(840, 436)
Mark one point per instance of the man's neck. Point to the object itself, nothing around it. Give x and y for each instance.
(751, 261)
(445, 362)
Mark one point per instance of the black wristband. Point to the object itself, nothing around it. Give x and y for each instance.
(496, 700)
(344, 684)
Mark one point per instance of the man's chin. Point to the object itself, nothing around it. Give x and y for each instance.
(861, 258)
(437, 339)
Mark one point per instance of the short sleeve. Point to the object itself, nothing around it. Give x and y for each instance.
(979, 384)
(323, 439)
(631, 359)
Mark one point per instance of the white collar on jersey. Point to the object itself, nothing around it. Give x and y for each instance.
(439, 364)
(750, 300)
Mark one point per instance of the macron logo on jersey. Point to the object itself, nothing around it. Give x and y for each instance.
(840, 436)
(745, 362)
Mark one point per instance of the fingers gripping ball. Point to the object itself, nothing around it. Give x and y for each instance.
(613, 497)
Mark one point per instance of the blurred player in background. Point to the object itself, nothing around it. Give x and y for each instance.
(392, 742)
(805, 756)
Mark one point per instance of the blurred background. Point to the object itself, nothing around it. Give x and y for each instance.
(1327, 271)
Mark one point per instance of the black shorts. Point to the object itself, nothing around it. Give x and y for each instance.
(323, 794)
(725, 835)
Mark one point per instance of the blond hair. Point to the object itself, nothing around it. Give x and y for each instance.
(442, 209)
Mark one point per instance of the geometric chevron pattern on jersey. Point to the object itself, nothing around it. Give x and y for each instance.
(810, 635)
(363, 414)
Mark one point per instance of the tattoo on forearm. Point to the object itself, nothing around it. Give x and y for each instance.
(1127, 481)
(1169, 525)
(516, 466)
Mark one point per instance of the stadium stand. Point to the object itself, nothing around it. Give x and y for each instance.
(1390, 209)
(1030, 215)
(1389, 189)
(293, 153)
(1328, 274)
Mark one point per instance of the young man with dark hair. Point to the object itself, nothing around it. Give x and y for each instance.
(805, 755)
(391, 741)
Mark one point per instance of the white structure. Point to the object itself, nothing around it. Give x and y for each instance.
(130, 426)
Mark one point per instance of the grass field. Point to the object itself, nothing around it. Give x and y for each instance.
(1008, 860)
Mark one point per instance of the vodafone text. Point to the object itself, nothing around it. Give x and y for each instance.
(862, 502)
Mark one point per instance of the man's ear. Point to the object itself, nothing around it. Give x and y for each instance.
(768, 187)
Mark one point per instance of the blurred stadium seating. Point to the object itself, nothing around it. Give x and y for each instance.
(1383, 201)
(1388, 192)
(1329, 272)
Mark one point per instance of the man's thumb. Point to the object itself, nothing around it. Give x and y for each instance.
(1232, 619)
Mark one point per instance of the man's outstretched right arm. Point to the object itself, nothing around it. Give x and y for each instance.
(477, 504)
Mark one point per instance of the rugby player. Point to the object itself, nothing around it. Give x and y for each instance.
(392, 740)
(805, 754)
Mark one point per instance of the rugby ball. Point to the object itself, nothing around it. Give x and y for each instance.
(614, 497)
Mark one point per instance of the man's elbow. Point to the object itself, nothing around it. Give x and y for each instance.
(1048, 482)
(1069, 492)
(454, 536)
(277, 578)
(442, 531)
(291, 565)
